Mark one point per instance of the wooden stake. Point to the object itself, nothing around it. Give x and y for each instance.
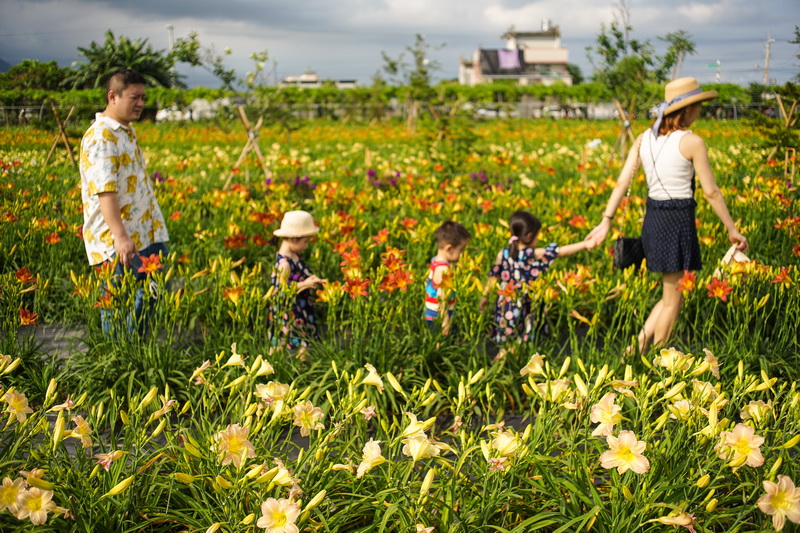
(61, 135)
(250, 145)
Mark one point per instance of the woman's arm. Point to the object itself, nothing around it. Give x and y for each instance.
(599, 233)
(694, 149)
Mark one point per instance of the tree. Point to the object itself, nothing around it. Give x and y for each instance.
(189, 50)
(417, 79)
(575, 72)
(33, 74)
(627, 67)
(680, 44)
(113, 54)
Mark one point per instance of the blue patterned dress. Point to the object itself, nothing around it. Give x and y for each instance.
(298, 325)
(512, 315)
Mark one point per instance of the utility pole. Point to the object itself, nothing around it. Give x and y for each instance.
(770, 40)
(170, 28)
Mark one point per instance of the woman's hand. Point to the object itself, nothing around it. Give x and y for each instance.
(739, 240)
(599, 233)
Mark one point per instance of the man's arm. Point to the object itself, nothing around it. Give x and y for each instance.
(123, 244)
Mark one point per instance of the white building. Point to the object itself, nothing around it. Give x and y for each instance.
(310, 79)
(528, 57)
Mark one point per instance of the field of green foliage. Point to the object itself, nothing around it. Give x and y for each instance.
(205, 425)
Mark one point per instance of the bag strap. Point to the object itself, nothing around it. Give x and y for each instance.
(654, 164)
(636, 147)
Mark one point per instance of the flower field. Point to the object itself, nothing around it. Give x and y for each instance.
(206, 425)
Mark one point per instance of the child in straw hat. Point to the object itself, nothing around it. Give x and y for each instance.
(671, 156)
(299, 325)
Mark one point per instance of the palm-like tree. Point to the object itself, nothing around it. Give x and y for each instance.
(114, 54)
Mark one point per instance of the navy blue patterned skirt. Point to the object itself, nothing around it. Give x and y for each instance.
(669, 236)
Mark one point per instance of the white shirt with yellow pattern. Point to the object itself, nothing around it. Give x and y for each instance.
(111, 161)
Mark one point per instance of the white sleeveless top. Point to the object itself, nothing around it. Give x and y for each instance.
(673, 174)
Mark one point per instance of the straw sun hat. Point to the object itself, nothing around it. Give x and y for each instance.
(684, 92)
(678, 94)
(296, 224)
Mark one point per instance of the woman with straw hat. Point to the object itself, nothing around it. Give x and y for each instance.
(671, 156)
(299, 325)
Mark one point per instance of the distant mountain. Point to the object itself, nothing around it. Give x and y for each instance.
(4, 66)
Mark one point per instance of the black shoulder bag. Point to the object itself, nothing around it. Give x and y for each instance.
(628, 250)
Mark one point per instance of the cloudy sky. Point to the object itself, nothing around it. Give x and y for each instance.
(343, 39)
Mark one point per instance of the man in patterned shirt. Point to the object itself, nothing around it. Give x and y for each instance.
(122, 219)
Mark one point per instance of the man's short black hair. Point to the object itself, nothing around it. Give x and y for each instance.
(121, 79)
(451, 233)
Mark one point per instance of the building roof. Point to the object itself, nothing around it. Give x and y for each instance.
(555, 31)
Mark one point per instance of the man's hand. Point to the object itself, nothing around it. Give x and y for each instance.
(125, 249)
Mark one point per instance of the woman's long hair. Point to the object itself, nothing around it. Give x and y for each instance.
(521, 225)
(676, 121)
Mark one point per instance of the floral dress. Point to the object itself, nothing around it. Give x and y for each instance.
(512, 314)
(298, 325)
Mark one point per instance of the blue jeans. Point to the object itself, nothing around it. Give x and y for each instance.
(111, 320)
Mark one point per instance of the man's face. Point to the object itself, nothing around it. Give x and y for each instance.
(128, 105)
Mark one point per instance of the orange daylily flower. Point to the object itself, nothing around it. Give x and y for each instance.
(381, 237)
(24, 276)
(408, 223)
(27, 318)
(233, 294)
(783, 277)
(687, 282)
(150, 264)
(356, 287)
(52, 238)
(719, 289)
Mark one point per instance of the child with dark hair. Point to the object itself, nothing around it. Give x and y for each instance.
(451, 240)
(518, 263)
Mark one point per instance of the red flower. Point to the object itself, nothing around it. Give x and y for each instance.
(398, 280)
(381, 237)
(509, 291)
(236, 241)
(577, 222)
(783, 277)
(393, 259)
(104, 270)
(52, 238)
(351, 259)
(176, 215)
(356, 287)
(24, 276)
(259, 240)
(343, 246)
(27, 318)
(150, 264)
(796, 250)
(687, 282)
(719, 289)
(105, 302)
(408, 223)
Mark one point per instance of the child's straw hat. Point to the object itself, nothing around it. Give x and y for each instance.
(296, 224)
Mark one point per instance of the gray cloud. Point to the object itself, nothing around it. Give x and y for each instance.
(345, 38)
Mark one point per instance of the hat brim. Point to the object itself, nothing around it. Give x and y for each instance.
(280, 232)
(702, 97)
